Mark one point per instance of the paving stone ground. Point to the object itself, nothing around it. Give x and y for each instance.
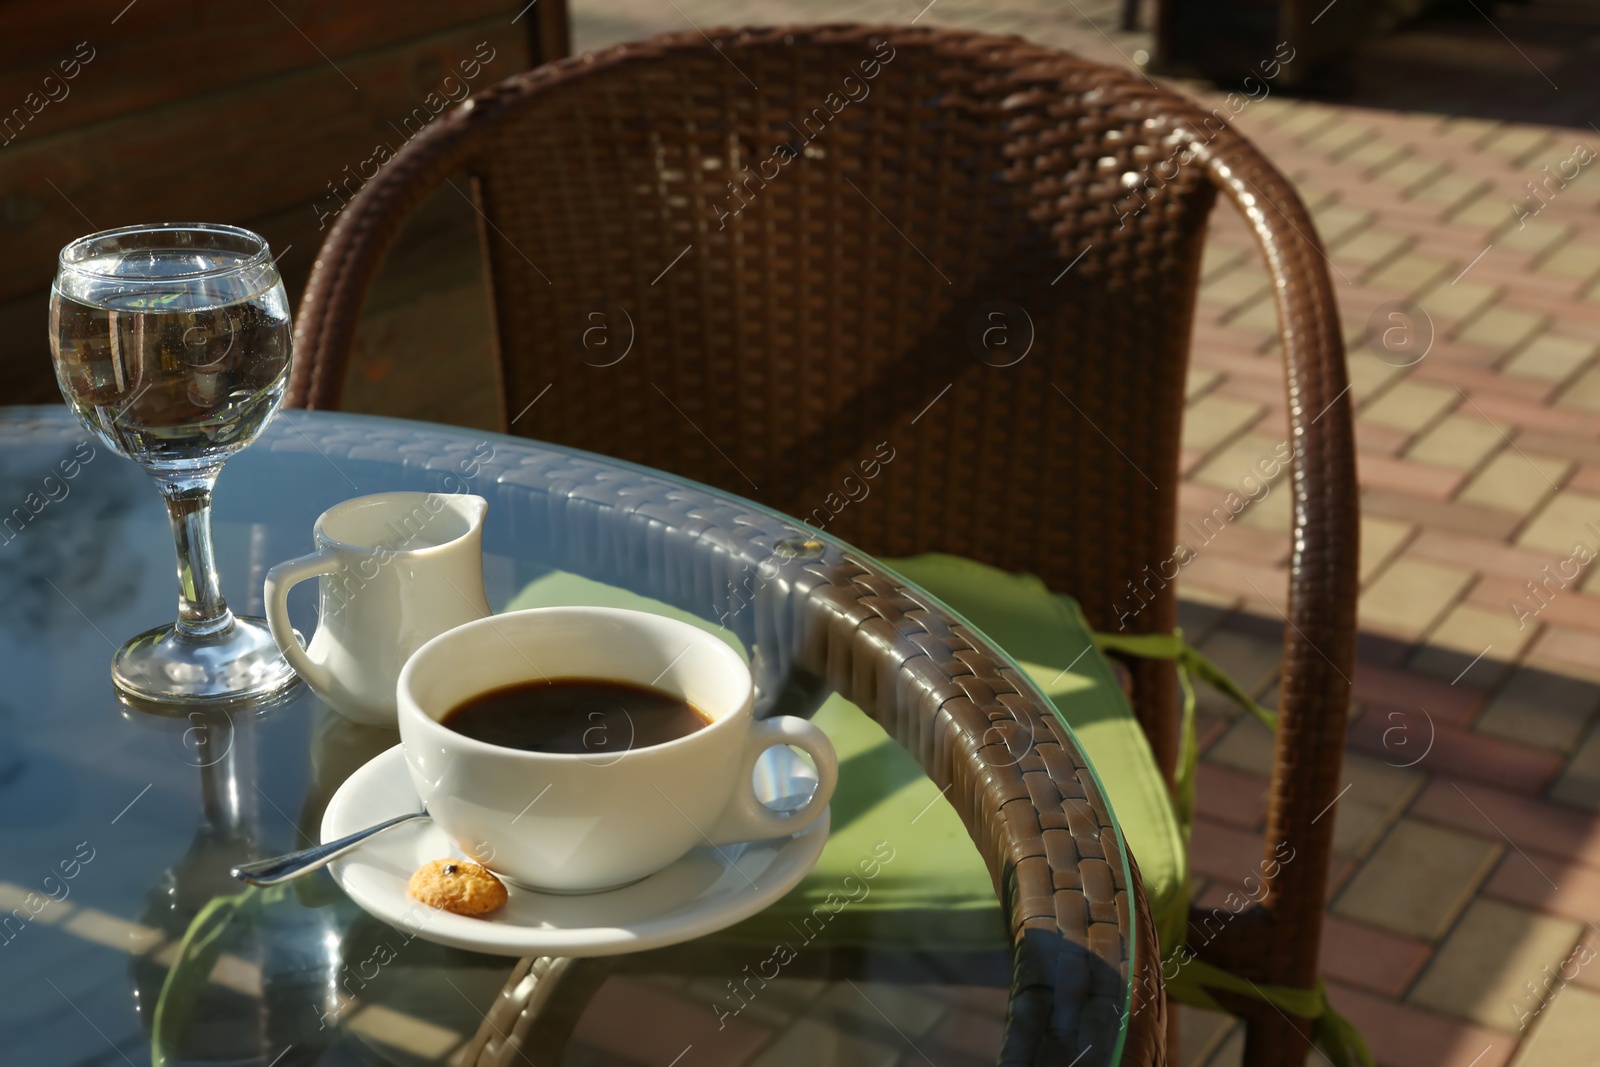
(1461, 921)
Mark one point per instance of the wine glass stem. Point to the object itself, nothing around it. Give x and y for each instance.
(201, 608)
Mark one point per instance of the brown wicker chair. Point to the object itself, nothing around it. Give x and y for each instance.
(695, 297)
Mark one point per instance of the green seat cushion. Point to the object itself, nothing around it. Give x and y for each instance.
(1049, 638)
(899, 868)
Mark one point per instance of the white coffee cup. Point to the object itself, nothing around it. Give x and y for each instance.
(573, 823)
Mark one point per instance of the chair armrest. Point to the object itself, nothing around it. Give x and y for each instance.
(330, 310)
(1027, 797)
(1320, 615)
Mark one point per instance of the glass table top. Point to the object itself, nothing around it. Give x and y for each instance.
(117, 827)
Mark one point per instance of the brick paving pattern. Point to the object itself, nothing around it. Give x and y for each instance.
(1460, 928)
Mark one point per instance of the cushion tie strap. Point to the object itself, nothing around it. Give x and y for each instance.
(1191, 664)
(198, 951)
(1188, 659)
(1190, 982)
(1335, 1035)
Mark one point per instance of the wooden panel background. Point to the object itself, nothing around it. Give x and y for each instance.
(227, 111)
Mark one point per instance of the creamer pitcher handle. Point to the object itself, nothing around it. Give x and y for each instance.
(280, 580)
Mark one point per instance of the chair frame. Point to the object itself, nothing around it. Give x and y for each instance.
(1275, 941)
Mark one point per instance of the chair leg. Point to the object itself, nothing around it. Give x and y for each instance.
(1270, 1040)
(537, 1010)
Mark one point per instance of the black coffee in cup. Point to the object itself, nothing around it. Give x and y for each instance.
(575, 716)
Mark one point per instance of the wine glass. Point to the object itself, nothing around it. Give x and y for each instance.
(171, 343)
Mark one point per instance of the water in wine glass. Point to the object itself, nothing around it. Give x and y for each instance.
(171, 343)
(177, 377)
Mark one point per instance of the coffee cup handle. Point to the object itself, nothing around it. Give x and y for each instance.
(280, 580)
(747, 819)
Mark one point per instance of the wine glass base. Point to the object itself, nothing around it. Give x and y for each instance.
(239, 663)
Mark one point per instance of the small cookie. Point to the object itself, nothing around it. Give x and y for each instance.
(457, 886)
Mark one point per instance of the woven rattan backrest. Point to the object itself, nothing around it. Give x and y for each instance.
(925, 289)
(818, 283)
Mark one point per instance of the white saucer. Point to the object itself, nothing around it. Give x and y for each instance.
(707, 890)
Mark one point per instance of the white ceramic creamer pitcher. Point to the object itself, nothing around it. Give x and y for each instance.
(397, 570)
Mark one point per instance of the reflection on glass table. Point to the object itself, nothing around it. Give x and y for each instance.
(123, 937)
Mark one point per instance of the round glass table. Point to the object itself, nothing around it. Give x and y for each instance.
(118, 826)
